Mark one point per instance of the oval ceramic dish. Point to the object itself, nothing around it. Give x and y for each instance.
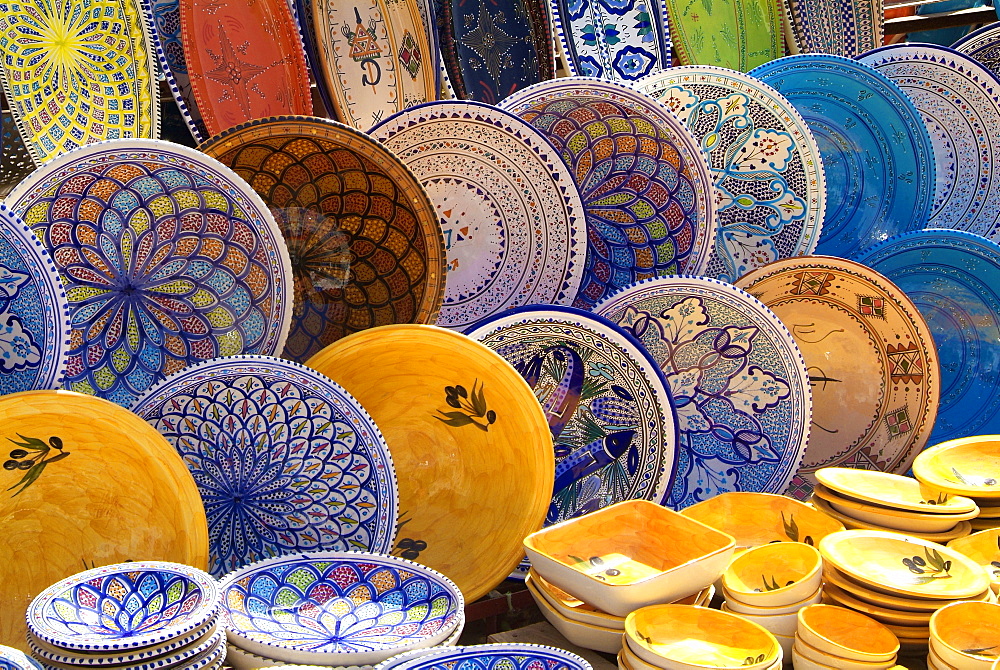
(203, 646)
(984, 548)
(961, 529)
(512, 656)
(759, 518)
(895, 491)
(851, 635)
(877, 598)
(892, 519)
(736, 34)
(156, 655)
(967, 635)
(882, 614)
(834, 27)
(966, 466)
(774, 575)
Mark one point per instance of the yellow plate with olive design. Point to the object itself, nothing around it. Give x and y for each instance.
(966, 466)
(961, 529)
(896, 603)
(895, 491)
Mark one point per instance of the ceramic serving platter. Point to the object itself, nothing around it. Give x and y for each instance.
(834, 26)
(983, 45)
(365, 243)
(871, 359)
(958, 100)
(14, 659)
(513, 223)
(168, 258)
(953, 278)
(645, 184)
(877, 154)
(75, 73)
(605, 399)
(735, 34)
(166, 19)
(737, 379)
(770, 186)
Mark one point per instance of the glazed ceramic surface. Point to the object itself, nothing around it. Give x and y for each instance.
(17, 163)
(899, 603)
(892, 491)
(983, 45)
(835, 27)
(770, 187)
(513, 656)
(469, 433)
(607, 405)
(961, 529)
(984, 548)
(176, 650)
(892, 519)
(847, 634)
(958, 100)
(966, 466)
(877, 153)
(76, 73)
(737, 379)
(13, 659)
(166, 20)
(167, 257)
(871, 358)
(953, 277)
(735, 34)
(774, 575)
(365, 246)
(513, 223)
(967, 634)
(645, 184)
(837, 596)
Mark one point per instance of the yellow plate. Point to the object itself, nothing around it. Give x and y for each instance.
(96, 485)
(981, 524)
(961, 529)
(983, 548)
(760, 518)
(882, 614)
(894, 519)
(833, 576)
(903, 565)
(895, 491)
(967, 466)
(471, 446)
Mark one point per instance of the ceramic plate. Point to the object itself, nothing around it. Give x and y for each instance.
(166, 19)
(13, 659)
(286, 460)
(184, 646)
(735, 34)
(954, 280)
(958, 100)
(365, 244)
(86, 482)
(514, 656)
(871, 358)
(736, 377)
(644, 181)
(15, 160)
(469, 441)
(877, 154)
(892, 491)
(964, 466)
(983, 45)
(769, 181)
(834, 27)
(605, 399)
(512, 218)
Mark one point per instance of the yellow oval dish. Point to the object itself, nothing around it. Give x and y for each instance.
(759, 518)
(896, 519)
(774, 574)
(833, 576)
(966, 467)
(882, 614)
(889, 490)
(846, 633)
(984, 548)
(984, 524)
(738, 607)
(967, 633)
(961, 529)
(825, 660)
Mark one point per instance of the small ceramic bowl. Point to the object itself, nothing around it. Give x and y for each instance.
(629, 555)
(512, 656)
(860, 591)
(965, 467)
(961, 529)
(776, 624)
(848, 634)
(15, 659)
(918, 522)
(774, 574)
(884, 615)
(967, 634)
(893, 491)
(739, 607)
(815, 655)
(754, 519)
(587, 636)
(983, 548)
(800, 662)
(786, 642)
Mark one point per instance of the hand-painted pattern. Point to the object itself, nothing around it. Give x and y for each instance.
(166, 15)
(846, 28)
(983, 45)
(734, 34)
(32, 455)
(495, 657)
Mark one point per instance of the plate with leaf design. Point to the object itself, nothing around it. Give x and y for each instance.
(736, 34)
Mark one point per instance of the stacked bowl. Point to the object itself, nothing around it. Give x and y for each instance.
(835, 637)
(965, 636)
(965, 467)
(15, 659)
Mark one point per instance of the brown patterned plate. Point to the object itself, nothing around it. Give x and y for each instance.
(364, 240)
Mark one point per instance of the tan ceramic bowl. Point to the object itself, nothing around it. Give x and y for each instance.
(967, 634)
(848, 634)
(739, 607)
(811, 653)
(777, 624)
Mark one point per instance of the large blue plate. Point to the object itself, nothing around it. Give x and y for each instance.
(876, 151)
(983, 45)
(953, 278)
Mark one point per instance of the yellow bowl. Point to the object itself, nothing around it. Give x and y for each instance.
(885, 615)
(776, 624)
(833, 576)
(573, 608)
(760, 518)
(967, 634)
(774, 574)
(895, 519)
(895, 491)
(681, 637)
(811, 653)
(984, 548)
(739, 607)
(934, 661)
(962, 529)
(848, 634)
(966, 467)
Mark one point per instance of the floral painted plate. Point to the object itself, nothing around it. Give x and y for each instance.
(877, 155)
(644, 181)
(770, 187)
(166, 20)
(983, 45)
(512, 218)
(736, 377)
(168, 258)
(835, 27)
(734, 34)
(513, 656)
(365, 243)
(285, 459)
(185, 646)
(605, 399)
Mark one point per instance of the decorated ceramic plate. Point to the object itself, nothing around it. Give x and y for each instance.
(645, 184)
(954, 280)
(983, 45)
(610, 414)
(958, 100)
(513, 656)
(871, 359)
(78, 73)
(285, 459)
(15, 160)
(735, 34)
(14, 659)
(365, 243)
(302, 10)
(167, 257)
(166, 19)
(769, 180)
(177, 650)
(877, 155)
(513, 222)
(835, 27)
(86, 483)
(469, 435)
(736, 377)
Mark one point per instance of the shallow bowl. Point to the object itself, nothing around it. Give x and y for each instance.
(774, 574)
(961, 529)
(848, 634)
(965, 467)
(739, 607)
(893, 491)
(572, 608)
(815, 655)
(754, 519)
(157, 657)
(833, 576)
(934, 661)
(967, 634)
(15, 659)
(509, 656)
(585, 635)
(896, 519)
(776, 624)
(983, 548)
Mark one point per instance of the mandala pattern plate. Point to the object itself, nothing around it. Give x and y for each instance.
(286, 460)
(770, 187)
(365, 244)
(735, 34)
(871, 359)
(736, 377)
(983, 45)
(606, 401)
(167, 257)
(954, 280)
(166, 16)
(643, 178)
(512, 219)
(77, 72)
(877, 155)
(489, 657)
(958, 100)
(839, 27)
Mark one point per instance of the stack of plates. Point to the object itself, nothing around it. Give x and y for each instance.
(142, 615)
(835, 637)
(965, 467)
(15, 659)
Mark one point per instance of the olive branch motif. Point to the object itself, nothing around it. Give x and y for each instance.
(792, 530)
(32, 455)
(940, 500)
(985, 481)
(929, 567)
(472, 407)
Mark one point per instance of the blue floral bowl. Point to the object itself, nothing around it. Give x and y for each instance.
(338, 608)
(14, 659)
(488, 657)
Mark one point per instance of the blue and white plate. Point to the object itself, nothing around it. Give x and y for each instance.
(958, 100)
(737, 379)
(834, 26)
(953, 278)
(201, 646)
(166, 22)
(14, 659)
(488, 657)
(983, 45)
(877, 154)
(285, 459)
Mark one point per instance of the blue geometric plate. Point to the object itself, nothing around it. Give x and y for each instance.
(953, 278)
(643, 178)
(511, 656)
(769, 180)
(736, 377)
(606, 401)
(834, 26)
(958, 100)
(983, 45)
(168, 259)
(14, 659)
(878, 157)
(166, 21)
(34, 313)
(285, 459)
